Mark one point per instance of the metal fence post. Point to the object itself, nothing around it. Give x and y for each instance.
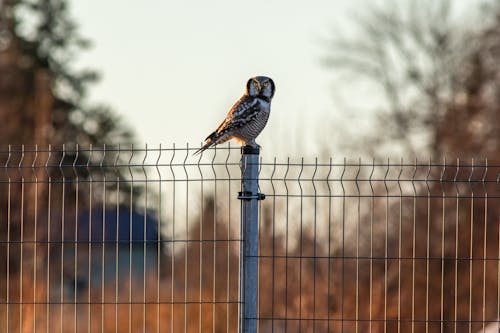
(249, 266)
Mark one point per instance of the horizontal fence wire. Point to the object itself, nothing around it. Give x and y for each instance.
(147, 239)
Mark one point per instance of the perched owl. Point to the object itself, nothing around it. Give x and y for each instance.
(247, 117)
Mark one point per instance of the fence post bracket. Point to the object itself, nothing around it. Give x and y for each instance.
(249, 196)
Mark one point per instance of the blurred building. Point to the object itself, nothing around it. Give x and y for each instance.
(116, 248)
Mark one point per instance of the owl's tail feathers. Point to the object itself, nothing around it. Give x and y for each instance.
(209, 141)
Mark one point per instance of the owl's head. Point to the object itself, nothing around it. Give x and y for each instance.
(261, 86)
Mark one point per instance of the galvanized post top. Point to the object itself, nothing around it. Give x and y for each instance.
(250, 150)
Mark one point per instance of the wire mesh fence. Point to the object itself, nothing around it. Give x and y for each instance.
(147, 239)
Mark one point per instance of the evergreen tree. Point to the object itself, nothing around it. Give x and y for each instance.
(43, 101)
(39, 41)
(43, 98)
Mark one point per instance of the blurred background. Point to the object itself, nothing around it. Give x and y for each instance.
(371, 79)
(370, 74)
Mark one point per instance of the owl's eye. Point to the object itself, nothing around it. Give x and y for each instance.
(255, 84)
(266, 83)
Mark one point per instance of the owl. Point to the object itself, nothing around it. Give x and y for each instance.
(247, 117)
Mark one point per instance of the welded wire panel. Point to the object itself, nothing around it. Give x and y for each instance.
(119, 239)
(147, 239)
(379, 246)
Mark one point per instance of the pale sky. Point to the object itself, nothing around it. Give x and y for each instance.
(173, 69)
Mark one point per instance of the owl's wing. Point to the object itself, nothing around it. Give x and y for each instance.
(243, 112)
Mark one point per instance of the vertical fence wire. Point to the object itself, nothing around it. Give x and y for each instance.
(470, 243)
(400, 226)
(35, 244)
(443, 226)
(456, 246)
(158, 240)
(485, 241)
(287, 228)
(186, 230)
(372, 205)
(343, 223)
(200, 253)
(228, 244)
(329, 252)
(75, 244)
(49, 228)
(214, 252)
(117, 225)
(172, 251)
(125, 239)
(7, 316)
(104, 241)
(428, 246)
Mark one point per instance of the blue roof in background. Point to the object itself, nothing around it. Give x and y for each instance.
(117, 223)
